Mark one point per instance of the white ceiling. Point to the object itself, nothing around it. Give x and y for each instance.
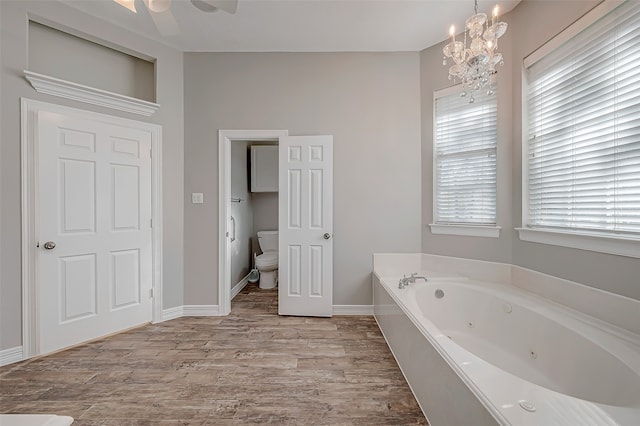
(299, 25)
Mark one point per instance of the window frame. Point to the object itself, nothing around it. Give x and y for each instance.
(598, 241)
(460, 229)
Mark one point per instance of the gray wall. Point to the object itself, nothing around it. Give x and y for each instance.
(370, 102)
(532, 23)
(13, 60)
(265, 208)
(241, 254)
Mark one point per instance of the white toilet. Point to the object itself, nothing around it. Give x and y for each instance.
(267, 262)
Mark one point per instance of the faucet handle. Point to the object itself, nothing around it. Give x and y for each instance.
(414, 274)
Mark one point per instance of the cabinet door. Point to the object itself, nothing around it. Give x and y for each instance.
(264, 168)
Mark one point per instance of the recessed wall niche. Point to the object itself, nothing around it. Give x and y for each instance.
(65, 56)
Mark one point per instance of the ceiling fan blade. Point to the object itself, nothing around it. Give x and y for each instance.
(165, 23)
(157, 5)
(229, 6)
(129, 4)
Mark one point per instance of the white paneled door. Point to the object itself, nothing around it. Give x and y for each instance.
(95, 241)
(306, 226)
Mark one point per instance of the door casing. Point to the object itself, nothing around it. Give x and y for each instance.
(30, 213)
(225, 138)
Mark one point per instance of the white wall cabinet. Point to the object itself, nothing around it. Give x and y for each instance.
(264, 168)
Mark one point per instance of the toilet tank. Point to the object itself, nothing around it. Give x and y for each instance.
(268, 240)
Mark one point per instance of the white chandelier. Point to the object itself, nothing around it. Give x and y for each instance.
(475, 66)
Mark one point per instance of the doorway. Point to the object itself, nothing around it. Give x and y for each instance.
(305, 220)
(92, 227)
(228, 203)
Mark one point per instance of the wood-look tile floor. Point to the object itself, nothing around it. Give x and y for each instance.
(251, 367)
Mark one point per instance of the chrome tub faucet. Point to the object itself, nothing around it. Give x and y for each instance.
(405, 281)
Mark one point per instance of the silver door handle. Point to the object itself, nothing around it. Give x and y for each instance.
(49, 245)
(326, 236)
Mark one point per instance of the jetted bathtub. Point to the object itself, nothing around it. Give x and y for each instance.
(478, 353)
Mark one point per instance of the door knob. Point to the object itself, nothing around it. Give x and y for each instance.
(326, 236)
(49, 245)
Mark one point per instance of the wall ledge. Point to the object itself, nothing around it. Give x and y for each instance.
(79, 92)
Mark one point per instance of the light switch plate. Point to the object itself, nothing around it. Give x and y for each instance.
(197, 198)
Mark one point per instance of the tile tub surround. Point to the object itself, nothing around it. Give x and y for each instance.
(250, 367)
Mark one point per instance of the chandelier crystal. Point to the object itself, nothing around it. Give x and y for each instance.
(475, 66)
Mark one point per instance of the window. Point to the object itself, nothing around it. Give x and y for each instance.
(464, 163)
(582, 140)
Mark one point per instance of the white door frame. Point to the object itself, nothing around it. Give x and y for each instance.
(30, 212)
(225, 137)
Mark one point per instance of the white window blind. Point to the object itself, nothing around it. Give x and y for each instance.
(465, 159)
(584, 129)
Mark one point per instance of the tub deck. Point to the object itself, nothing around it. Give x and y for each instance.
(456, 387)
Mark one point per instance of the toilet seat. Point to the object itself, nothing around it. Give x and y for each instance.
(267, 260)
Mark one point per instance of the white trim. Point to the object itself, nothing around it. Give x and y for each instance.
(466, 230)
(524, 148)
(460, 229)
(571, 31)
(157, 221)
(172, 313)
(28, 179)
(225, 137)
(434, 181)
(200, 311)
(613, 243)
(29, 197)
(352, 309)
(79, 92)
(239, 286)
(11, 355)
(602, 243)
(439, 93)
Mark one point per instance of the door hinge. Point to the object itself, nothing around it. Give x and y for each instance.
(150, 223)
(150, 293)
(150, 153)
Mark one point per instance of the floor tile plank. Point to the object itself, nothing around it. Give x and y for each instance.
(251, 367)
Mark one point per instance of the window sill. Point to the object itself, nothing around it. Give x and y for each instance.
(602, 243)
(466, 230)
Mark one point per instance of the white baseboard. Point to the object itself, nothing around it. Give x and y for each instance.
(238, 287)
(201, 310)
(190, 311)
(352, 309)
(172, 313)
(11, 355)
